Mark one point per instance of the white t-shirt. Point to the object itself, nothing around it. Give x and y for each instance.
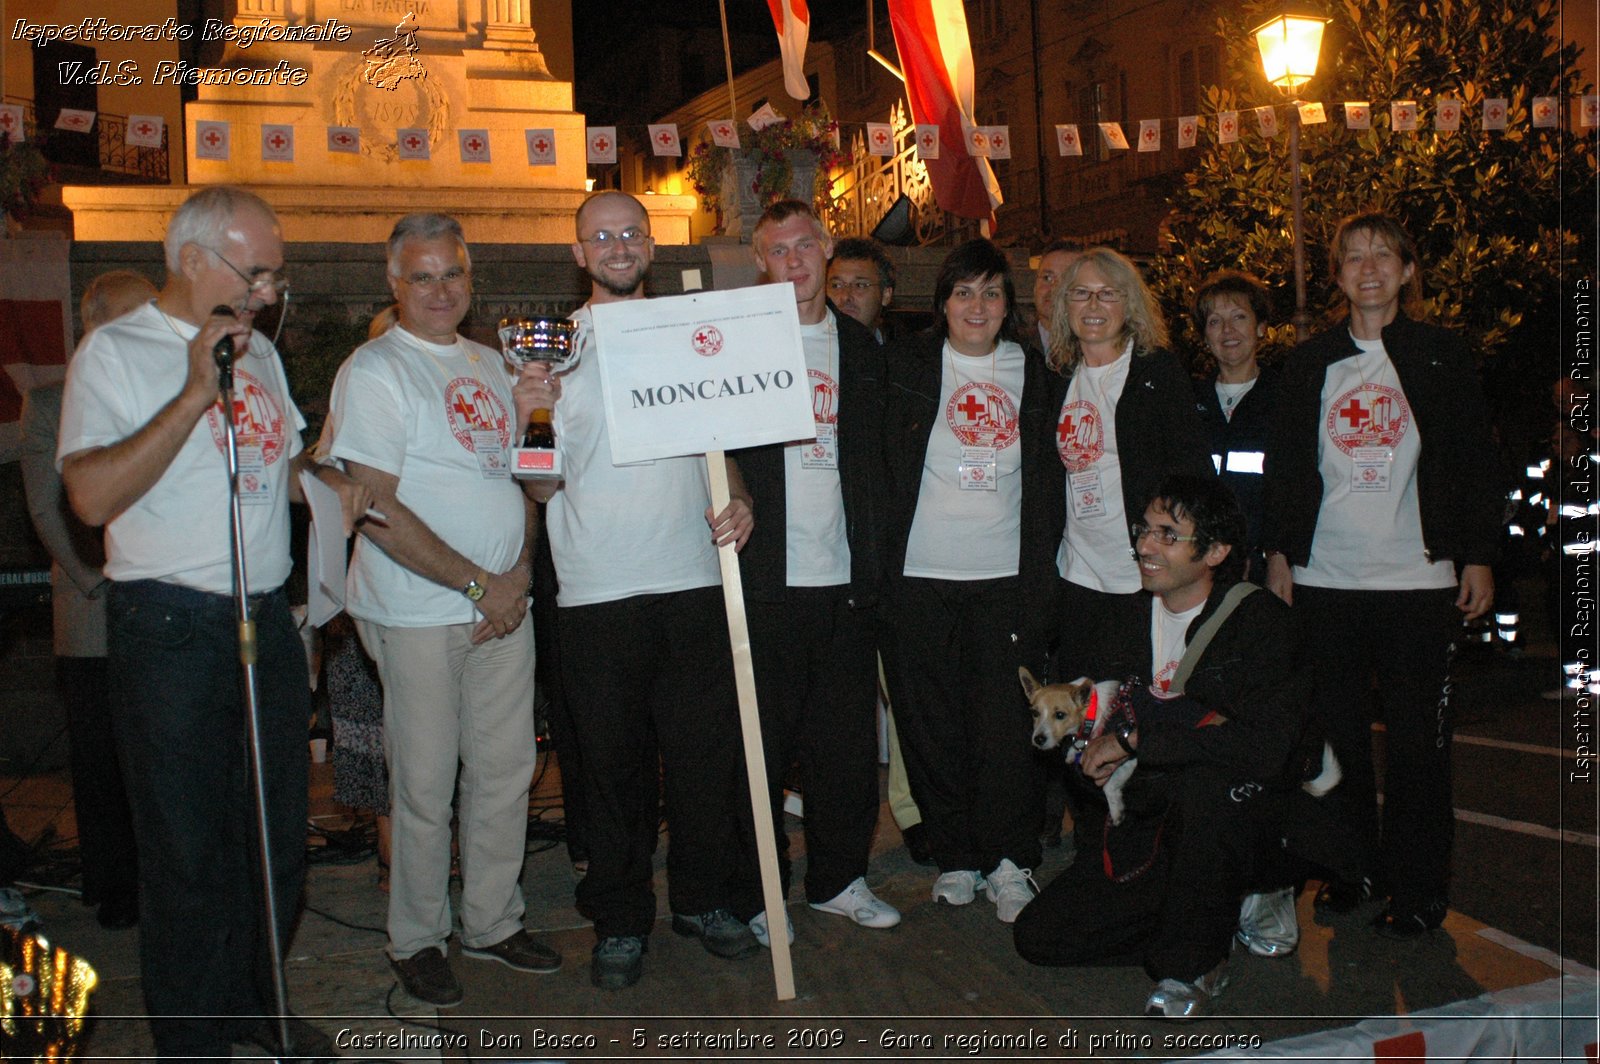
(422, 412)
(619, 531)
(1094, 546)
(970, 534)
(1369, 529)
(178, 531)
(818, 553)
(1169, 638)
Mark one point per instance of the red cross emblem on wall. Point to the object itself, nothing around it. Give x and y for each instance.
(277, 140)
(541, 145)
(413, 142)
(474, 144)
(213, 138)
(342, 138)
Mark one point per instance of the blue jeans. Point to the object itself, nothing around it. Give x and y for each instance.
(181, 730)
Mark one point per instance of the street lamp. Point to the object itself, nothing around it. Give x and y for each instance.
(1290, 44)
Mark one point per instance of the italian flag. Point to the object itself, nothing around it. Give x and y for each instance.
(936, 57)
(793, 20)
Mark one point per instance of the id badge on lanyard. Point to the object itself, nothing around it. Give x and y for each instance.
(977, 469)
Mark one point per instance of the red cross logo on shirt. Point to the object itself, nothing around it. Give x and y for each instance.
(471, 406)
(468, 412)
(474, 144)
(212, 137)
(971, 407)
(1065, 430)
(144, 129)
(981, 414)
(1354, 413)
(413, 142)
(277, 141)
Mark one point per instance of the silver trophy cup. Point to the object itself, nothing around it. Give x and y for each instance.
(552, 340)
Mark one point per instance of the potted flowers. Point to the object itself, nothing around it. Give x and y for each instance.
(788, 158)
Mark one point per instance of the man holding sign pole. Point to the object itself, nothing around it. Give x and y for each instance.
(811, 583)
(643, 643)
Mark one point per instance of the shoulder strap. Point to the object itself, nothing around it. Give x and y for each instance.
(1202, 639)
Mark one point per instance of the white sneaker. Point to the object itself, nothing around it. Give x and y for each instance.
(1268, 926)
(1174, 999)
(1010, 888)
(861, 905)
(957, 888)
(758, 928)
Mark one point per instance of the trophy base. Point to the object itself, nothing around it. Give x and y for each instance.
(536, 463)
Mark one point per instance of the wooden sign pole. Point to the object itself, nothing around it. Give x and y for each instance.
(755, 760)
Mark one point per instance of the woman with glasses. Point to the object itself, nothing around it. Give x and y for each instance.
(1124, 420)
(1237, 397)
(969, 521)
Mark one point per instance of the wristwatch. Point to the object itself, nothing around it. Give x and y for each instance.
(474, 590)
(1124, 730)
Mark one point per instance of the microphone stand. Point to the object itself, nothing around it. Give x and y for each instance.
(247, 660)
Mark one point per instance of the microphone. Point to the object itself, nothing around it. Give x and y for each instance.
(223, 352)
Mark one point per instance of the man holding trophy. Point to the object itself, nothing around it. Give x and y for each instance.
(428, 420)
(644, 650)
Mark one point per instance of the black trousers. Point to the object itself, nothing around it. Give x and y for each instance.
(99, 799)
(1405, 641)
(951, 657)
(1218, 840)
(817, 681)
(649, 673)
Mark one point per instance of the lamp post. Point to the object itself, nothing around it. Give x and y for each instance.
(1290, 44)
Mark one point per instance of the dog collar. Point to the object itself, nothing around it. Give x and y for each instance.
(1086, 729)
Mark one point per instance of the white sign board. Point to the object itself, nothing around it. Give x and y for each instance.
(705, 371)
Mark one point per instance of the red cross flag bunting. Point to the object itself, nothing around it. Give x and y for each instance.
(999, 141)
(75, 120)
(1149, 134)
(1227, 127)
(412, 143)
(211, 140)
(11, 123)
(1589, 113)
(1403, 115)
(664, 139)
(344, 139)
(880, 139)
(1546, 112)
(928, 141)
(724, 132)
(1312, 114)
(1267, 121)
(541, 146)
(1495, 109)
(1111, 133)
(978, 142)
(1357, 114)
(1067, 140)
(1446, 114)
(763, 116)
(602, 142)
(1188, 129)
(474, 144)
(144, 131)
(277, 143)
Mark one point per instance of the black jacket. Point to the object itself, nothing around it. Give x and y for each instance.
(913, 374)
(764, 562)
(1247, 432)
(1158, 428)
(1246, 675)
(1459, 480)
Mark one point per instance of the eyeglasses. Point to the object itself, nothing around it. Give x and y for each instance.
(1102, 295)
(449, 279)
(631, 237)
(860, 287)
(263, 280)
(1164, 536)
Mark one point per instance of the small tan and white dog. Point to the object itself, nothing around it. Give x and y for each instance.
(1059, 710)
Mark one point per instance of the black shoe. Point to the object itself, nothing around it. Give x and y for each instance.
(1342, 895)
(426, 976)
(309, 1044)
(1403, 923)
(118, 912)
(520, 951)
(916, 838)
(617, 962)
(719, 931)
